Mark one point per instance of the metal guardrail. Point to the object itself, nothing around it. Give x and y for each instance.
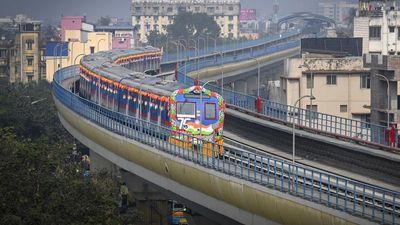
(360, 199)
(321, 122)
(227, 47)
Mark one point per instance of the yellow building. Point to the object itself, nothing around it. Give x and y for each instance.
(62, 55)
(25, 55)
(149, 15)
(341, 86)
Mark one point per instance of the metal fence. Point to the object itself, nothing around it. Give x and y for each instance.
(321, 122)
(226, 47)
(357, 198)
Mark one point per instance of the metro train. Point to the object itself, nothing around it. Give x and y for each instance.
(115, 80)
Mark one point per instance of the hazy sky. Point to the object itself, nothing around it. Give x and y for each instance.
(51, 10)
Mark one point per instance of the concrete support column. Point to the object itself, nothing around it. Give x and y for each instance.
(98, 163)
(150, 201)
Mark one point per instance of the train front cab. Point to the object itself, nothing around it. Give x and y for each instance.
(197, 124)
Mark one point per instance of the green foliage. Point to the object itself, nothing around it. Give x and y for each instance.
(27, 120)
(189, 25)
(49, 33)
(39, 184)
(156, 39)
(104, 21)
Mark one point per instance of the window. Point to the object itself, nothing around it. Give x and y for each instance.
(91, 50)
(30, 76)
(169, 9)
(312, 111)
(398, 33)
(182, 9)
(29, 44)
(138, 18)
(210, 9)
(375, 33)
(230, 8)
(310, 82)
(29, 60)
(137, 9)
(391, 29)
(155, 9)
(230, 26)
(186, 109)
(156, 27)
(343, 108)
(230, 18)
(365, 81)
(331, 79)
(197, 8)
(155, 19)
(210, 112)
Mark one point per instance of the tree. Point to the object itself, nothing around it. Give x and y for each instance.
(39, 183)
(104, 21)
(50, 33)
(156, 39)
(188, 25)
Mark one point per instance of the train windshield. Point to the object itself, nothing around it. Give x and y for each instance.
(186, 109)
(210, 111)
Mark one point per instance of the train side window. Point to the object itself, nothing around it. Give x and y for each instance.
(210, 111)
(186, 109)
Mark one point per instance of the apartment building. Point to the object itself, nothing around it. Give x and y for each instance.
(149, 15)
(341, 86)
(340, 11)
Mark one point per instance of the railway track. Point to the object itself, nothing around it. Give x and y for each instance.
(306, 182)
(364, 164)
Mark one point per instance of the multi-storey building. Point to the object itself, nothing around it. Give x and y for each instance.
(338, 11)
(20, 50)
(123, 35)
(378, 23)
(340, 86)
(27, 53)
(339, 83)
(149, 15)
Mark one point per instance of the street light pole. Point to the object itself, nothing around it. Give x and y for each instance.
(75, 75)
(221, 54)
(388, 96)
(119, 84)
(258, 75)
(294, 125)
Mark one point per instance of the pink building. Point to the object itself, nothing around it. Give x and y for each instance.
(121, 42)
(71, 23)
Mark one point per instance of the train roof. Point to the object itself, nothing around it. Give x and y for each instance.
(102, 63)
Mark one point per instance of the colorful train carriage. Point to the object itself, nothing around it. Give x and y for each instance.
(200, 114)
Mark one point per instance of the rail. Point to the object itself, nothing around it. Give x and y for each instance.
(357, 198)
(354, 130)
(235, 46)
